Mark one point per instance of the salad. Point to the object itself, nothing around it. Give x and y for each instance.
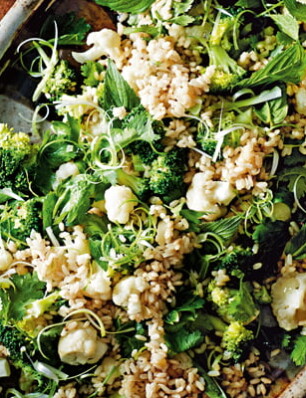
(153, 236)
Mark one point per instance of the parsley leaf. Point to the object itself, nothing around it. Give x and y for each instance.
(298, 354)
(27, 288)
(89, 70)
(183, 340)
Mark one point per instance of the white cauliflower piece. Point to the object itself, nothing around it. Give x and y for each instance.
(119, 203)
(127, 291)
(6, 259)
(81, 345)
(209, 196)
(105, 42)
(289, 300)
(64, 171)
(99, 285)
(300, 97)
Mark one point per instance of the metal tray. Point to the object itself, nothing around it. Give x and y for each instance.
(16, 108)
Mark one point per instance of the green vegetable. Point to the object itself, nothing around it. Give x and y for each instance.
(19, 219)
(227, 72)
(287, 24)
(296, 9)
(117, 91)
(132, 6)
(234, 304)
(139, 185)
(16, 158)
(61, 81)
(15, 300)
(91, 70)
(298, 354)
(287, 66)
(166, 175)
(14, 340)
(235, 337)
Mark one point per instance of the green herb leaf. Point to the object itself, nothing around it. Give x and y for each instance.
(130, 6)
(27, 288)
(90, 70)
(117, 91)
(183, 340)
(182, 20)
(298, 354)
(295, 179)
(191, 306)
(297, 244)
(150, 30)
(72, 30)
(298, 10)
(225, 228)
(212, 388)
(287, 24)
(274, 111)
(287, 66)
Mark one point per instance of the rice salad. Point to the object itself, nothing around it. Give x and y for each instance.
(153, 238)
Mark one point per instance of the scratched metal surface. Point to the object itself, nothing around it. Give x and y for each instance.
(16, 107)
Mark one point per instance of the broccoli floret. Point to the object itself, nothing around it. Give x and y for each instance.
(233, 304)
(16, 156)
(235, 338)
(209, 145)
(166, 174)
(17, 344)
(20, 219)
(236, 258)
(227, 71)
(139, 185)
(62, 81)
(143, 153)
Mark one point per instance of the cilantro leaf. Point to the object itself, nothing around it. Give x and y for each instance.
(190, 306)
(90, 70)
(72, 30)
(27, 288)
(241, 306)
(131, 6)
(183, 340)
(298, 354)
(117, 91)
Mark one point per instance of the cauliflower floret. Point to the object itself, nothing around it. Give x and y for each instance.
(300, 97)
(64, 171)
(6, 259)
(80, 345)
(209, 196)
(289, 300)
(105, 42)
(99, 285)
(127, 293)
(119, 203)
